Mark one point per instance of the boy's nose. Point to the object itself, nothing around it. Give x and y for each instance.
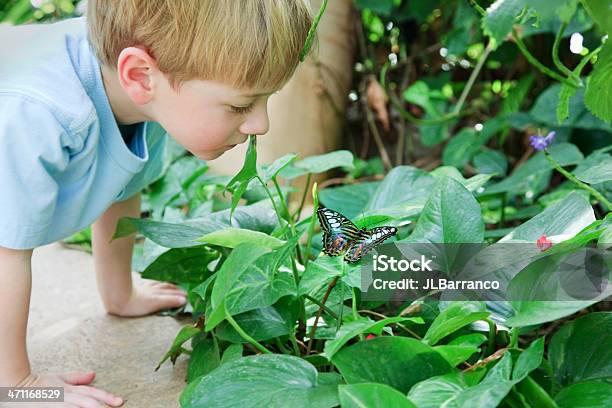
(256, 124)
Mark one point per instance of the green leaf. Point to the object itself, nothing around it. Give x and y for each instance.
(599, 11)
(450, 215)
(581, 351)
(500, 18)
(353, 328)
(204, 358)
(261, 324)
(273, 381)
(250, 279)
(516, 96)
(529, 360)
(491, 391)
(462, 147)
(245, 175)
(456, 355)
(568, 216)
(402, 186)
(318, 164)
(419, 94)
(376, 360)
(232, 352)
(548, 10)
(492, 162)
(533, 392)
(439, 391)
(527, 177)
(543, 112)
(166, 234)
(598, 95)
(586, 394)
(557, 279)
(181, 265)
(232, 237)
(596, 168)
(271, 171)
(472, 184)
(241, 258)
(349, 199)
(186, 333)
(454, 317)
(565, 95)
(473, 339)
(372, 395)
(180, 175)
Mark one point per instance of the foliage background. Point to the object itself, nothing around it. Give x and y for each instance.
(446, 96)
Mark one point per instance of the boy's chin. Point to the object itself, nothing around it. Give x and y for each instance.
(213, 154)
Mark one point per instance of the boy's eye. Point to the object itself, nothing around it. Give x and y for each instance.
(242, 109)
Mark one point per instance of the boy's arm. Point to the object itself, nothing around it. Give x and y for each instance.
(15, 288)
(113, 260)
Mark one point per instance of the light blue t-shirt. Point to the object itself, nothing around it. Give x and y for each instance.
(63, 160)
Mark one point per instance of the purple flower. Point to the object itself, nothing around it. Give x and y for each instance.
(542, 142)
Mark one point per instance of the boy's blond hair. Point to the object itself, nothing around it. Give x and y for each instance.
(244, 43)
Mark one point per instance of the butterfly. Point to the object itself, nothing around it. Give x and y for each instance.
(341, 235)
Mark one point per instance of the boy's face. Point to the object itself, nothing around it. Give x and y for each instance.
(206, 117)
(209, 117)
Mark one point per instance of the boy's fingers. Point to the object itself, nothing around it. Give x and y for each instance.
(174, 292)
(98, 394)
(78, 377)
(166, 285)
(172, 300)
(83, 401)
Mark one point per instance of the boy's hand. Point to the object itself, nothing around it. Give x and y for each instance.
(149, 296)
(76, 391)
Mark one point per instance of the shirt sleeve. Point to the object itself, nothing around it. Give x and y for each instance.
(156, 140)
(32, 155)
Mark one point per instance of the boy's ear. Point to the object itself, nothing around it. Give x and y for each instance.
(135, 68)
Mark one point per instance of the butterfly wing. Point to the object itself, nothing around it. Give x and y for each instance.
(369, 240)
(338, 231)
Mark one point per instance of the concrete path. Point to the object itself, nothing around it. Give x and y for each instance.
(70, 330)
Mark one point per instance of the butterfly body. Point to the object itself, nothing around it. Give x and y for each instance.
(341, 235)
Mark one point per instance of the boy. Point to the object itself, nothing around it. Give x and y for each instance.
(78, 140)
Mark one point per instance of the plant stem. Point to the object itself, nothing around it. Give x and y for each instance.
(283, 201)
(555, 55)
(278, 215)
(354, 304)
(291, 224)
(536, 63)
(382, 316)
(296, 215)
(514, 335)
(402, 111)
(354, 309)
(492, 333)
(315, 200)
(472, 78)
(312, 31)
(327, 309)
(244, 335)
(281, 346)
(318, 316)
(585, 60)
(578, 183)
(296, 348)
(477, 7)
